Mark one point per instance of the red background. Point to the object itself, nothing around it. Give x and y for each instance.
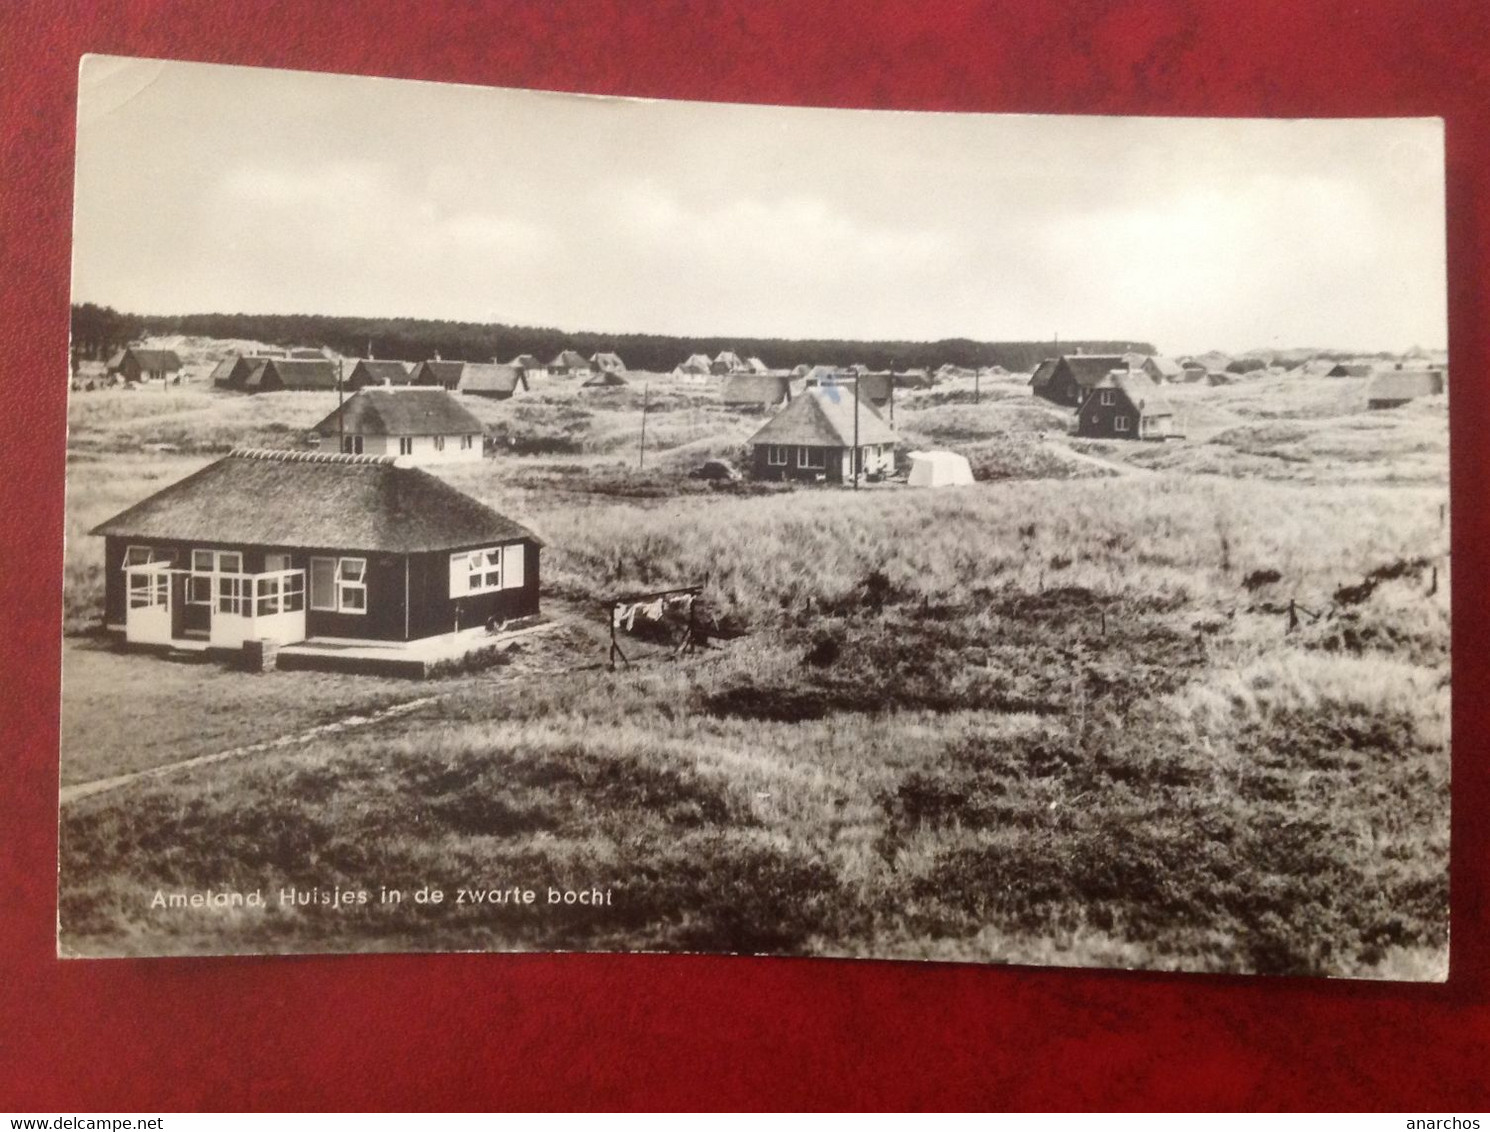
(568, 1031)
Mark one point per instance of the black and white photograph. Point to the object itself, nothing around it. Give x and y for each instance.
(510, 521)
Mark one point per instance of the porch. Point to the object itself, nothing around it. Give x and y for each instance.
(166, 605)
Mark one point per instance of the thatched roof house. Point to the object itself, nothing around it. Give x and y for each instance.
(755, 390)
(285, 546)
(610, 363)
(136, 363)
(1394, 387)
(480, 379)
(290, 374)
(1067, 379)
(1125, 405)
(419, 425)
(814, 437)
(369, 372)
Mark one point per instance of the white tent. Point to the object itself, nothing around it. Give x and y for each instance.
(939, 469)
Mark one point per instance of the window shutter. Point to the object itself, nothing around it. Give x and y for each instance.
(460, 574)
(514, 558)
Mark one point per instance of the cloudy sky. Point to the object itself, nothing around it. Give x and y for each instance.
(204, 188)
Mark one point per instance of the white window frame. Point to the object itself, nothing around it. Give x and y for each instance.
(139, 555)
(348, 578)
(778, 455)
(351, 445)
(439, 444)
(488, 569)
(149, 590)
(405, 445)
(805, 457)
(467, 442)
(1107, 397)
(207, 566)
(1120, 424)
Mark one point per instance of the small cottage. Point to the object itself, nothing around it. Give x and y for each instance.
(298, 375)
(479, 379)
(1163, 369)
(728, 362)
(296, 546)
(607, 363)
(569, 363)
(755, 391)
(697, 365)
(530, 366)
(369, 373)
(1394, 387)
(417, 425)
(814, 439)
(135, 363)
(1125, 405)
(1066, 380)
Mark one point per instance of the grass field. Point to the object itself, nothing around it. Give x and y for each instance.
(1056, 717)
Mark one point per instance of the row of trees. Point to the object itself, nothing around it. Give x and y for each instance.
(412, 340)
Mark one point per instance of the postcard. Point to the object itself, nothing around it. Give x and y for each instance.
(502, 521)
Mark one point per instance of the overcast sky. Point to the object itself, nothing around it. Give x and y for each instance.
(204, 188)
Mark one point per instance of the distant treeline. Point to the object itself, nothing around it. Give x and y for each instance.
(99, 329)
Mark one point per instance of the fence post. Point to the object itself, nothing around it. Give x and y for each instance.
(1293, 615)
(1433, 585)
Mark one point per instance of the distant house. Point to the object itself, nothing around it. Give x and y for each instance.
(243, 366)
(800, 370)
(223, 371)
(813, 439)
(530, 366)
(1351, 369)
(570, 364)
(1314, 367)
(755, 365)
(369, 372)
(878, 389)
(275, 375)
(608, 363)
(418, 425)
(290, 546)
(479, 379)
(135, 363)
(697, 365)
(604, 379)
(727, 362)
(755, 390)
(1066, 380)
(1163, 369)
(1125, 405)
(1194, 368)
(1394, 387)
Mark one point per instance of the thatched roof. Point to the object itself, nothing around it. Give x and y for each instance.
(526, 361)
(152, 361)
(1145, 396)
(292, 373)
(490, 377)
(569, 359)
(603, 378)
(315, 501)
(223, 371)
(1167, 368)
(1090, 369)
(1352, 369)
(437, 372)
(1043, 373)
(421, 411)
(824, 417)
(370, 371)
(611, 362)
(754, 389)
(1404, 384)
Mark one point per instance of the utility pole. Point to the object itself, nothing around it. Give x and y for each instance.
(341, 416)
(977, 378)
(855, 458)
(641, 453)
